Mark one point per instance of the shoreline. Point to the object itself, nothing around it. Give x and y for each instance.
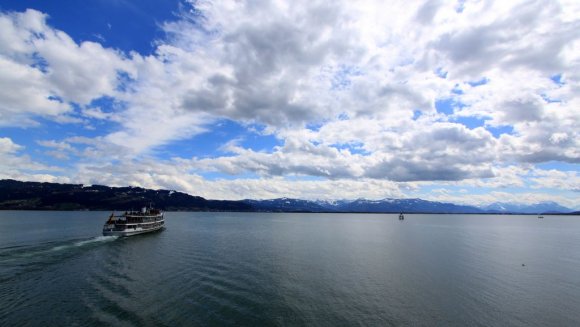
(325, 212)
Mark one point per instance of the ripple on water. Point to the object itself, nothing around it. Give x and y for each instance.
(112, 310)
(228, 269)
(19, 261)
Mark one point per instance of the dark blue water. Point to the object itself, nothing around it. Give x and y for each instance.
(291, 270)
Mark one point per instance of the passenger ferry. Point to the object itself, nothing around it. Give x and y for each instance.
(134, 222)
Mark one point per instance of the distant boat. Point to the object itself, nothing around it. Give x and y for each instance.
(401, 217)
(134, 222)
(540, 217)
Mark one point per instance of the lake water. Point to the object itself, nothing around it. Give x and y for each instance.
(272, 269)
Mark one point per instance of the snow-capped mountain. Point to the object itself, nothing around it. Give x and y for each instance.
(286, 205)
(541, 207)
(361, 205)
(53, 196)
(398, 205)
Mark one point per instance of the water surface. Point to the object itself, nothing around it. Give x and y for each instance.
(261, 269)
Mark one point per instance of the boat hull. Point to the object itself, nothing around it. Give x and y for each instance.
(131, 232)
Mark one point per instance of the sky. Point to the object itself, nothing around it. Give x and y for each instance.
(470, 102)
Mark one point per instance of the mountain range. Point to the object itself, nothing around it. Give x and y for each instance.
(401, 205)
(16, 195)
(52, 196)
(542, 207)
(361, 205)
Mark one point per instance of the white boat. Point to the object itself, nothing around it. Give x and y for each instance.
(134, 222)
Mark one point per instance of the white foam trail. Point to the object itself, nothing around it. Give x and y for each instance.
(58, 248)
(97, 240)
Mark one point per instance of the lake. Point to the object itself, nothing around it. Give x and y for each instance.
(278, 269)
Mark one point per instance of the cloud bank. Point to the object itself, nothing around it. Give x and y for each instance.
(396, 96)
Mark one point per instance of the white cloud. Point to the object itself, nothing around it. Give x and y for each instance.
(60, 150)
(177, 175)
(42, 70)
(366, 74)
(7, 146)
(287, 81)
(555, 179)
(25, 92)
(15, 165)
(506, 197)
(152, 173)
(435, 151)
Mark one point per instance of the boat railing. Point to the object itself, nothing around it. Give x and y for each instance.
(130, 221)
(134, 227)
(129, 214)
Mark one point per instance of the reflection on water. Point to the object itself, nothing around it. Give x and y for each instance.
(291, 269)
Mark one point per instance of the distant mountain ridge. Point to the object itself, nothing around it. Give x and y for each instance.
(53, 196)
(360, 205)
(286, 205)
(400, 205)
(16, 195)
(542, 207)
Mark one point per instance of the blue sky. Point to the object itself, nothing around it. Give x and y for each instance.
(452, 101)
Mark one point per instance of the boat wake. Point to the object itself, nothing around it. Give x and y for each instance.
(16, 260)
(88, 242)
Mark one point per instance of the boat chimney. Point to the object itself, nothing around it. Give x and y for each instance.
(144, 210)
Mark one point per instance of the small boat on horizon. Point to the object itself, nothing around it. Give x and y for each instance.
(134, 222)
(540, 217)
(401, 217)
